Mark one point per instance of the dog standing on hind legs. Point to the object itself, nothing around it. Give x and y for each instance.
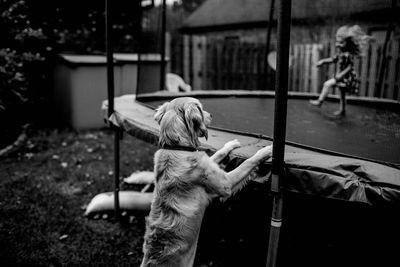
(186, 181)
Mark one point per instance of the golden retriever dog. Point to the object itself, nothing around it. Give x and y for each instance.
(186, 180)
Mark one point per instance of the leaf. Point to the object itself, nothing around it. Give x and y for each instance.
(63, 237)
(20, 97)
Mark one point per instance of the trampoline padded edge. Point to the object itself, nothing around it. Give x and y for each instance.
(310, 173)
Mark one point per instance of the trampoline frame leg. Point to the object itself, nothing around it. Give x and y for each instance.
(117, 137)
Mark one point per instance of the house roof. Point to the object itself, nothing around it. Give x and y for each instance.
(220, 13)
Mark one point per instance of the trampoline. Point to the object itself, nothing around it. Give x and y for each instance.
(321, 159)
(346, 164)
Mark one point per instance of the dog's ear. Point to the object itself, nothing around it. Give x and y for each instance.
(194, 119)
(160, 111)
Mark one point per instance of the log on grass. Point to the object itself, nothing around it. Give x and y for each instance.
(128, 200)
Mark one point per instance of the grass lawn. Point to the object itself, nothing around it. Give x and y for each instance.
(45, 187)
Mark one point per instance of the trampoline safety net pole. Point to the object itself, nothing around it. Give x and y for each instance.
(379, 88)
(110, 91)
(278, 151)
(162, 52)
(268, 43)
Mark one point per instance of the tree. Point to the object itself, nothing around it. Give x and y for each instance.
(34, 32)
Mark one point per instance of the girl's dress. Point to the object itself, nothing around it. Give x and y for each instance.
(350, 82)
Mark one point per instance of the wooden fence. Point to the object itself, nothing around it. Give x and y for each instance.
(229, 64)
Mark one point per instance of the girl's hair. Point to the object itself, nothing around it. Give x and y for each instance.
(356, 39)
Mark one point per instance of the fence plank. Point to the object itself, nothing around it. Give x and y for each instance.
(390, 70)
(305, 68)
(211, 62)
(327, 68)
(296, 68)
(196, 63)
(373, 70)
(253, 68)
(257, 70)
(242, 74)
(383, 89)
(233, 74)
(323, 70)
(243, 66)
(301, 68)
(314, 70)
(236, 59)
(168, 50)
(262, 72)
(306, 80)
(209, 67)
(246, 69)
(186, 59)
(397, 74)
(332, 67)
(203, 60)
(291, 57)
(219, 56)
(357, 68)
(224, 61)
(225, 70)
(365, 63)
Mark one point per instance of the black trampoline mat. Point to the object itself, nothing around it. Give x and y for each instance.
(364, 131)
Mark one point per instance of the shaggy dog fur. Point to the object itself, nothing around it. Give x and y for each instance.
(186, 181)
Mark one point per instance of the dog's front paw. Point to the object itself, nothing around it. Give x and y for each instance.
(264, 153)
(231, 145)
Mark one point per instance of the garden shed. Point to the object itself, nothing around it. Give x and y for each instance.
(80, 84)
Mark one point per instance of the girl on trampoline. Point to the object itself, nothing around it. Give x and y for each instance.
(350, 42)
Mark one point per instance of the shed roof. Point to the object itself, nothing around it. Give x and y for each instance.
(217, 13)
(102, 60)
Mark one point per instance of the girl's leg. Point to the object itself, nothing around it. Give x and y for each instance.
(324, 93)
(342, 109)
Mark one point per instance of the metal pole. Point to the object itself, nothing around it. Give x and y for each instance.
(281, 88)
(110, 62)
(270, 20)
(110, 87)
(139, 47)
(379, 89)
(163, 30)
(117, 136)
